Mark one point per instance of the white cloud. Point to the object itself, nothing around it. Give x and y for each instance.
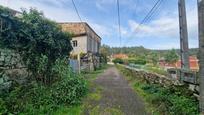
(57, 13)
(166, 46)
(100, 29)
(165, 26)
(54, 13)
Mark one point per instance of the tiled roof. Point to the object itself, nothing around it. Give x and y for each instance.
(122, 56)
(76, 29)
(79, 29)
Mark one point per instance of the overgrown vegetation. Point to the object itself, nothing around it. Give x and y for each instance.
(35, 99)
(174, 100)
(39, 41)
(93, 94)
(44, 49)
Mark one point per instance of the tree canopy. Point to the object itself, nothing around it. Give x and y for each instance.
(171, 56)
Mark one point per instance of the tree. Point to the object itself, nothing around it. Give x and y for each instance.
(105, 52)
(171, 56)
(39, 41)
(153, 58)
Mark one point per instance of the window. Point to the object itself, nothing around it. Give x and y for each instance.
(74, 43)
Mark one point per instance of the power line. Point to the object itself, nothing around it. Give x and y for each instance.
(76, 10)
(119, 26)
(154, 12)
(148, 17)
(150, 14)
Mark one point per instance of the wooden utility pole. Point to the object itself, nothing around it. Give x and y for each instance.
(183, 35)
(201, 52)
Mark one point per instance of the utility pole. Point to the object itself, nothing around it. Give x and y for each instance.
(183, 35)
(201, 52)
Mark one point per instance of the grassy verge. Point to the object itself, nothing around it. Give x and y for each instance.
(93, 95)
(174, 100)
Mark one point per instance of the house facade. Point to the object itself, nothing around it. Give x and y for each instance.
(84, 38)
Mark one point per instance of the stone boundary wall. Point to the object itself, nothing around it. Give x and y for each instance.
(150, 77)
(11, 69)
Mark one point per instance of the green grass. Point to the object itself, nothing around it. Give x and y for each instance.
(156, 70)
(75, 110)
(96, 95)
(90, 76)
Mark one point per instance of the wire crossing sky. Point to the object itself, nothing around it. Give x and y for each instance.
(119, 28)
(160, 30)
(147, 18)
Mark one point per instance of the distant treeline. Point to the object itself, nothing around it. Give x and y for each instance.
(143, 51)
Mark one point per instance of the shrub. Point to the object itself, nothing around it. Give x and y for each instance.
(118, 60)
(137, 61)
(34, 99)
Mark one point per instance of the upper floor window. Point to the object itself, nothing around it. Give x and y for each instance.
(74, 43)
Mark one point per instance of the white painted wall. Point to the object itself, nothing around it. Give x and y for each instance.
(85, 44)
(81, 45)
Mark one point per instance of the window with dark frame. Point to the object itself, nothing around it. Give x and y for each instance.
(74, 43)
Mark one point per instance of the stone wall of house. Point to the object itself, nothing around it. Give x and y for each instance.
(11, 69)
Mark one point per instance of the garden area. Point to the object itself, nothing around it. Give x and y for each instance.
(44, 50)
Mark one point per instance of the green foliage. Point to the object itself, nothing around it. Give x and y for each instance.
(118, 60)
(139, 61)
(154, 58)
(131, 51)
(73, 110)
(155, 69)
(104, 52)
(173, 101)
(33, 99)
(136, 51)
(35, 38)
(171, 56)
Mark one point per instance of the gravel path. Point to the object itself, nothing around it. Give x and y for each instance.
(117, 94)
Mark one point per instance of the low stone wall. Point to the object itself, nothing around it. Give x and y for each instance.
(151, 77)
(11, 69)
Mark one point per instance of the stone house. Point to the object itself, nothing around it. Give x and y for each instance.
(84, 38)
(84, 41)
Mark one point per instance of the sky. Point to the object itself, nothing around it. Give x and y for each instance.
(161, 32)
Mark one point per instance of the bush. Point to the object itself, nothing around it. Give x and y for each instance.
(34, 99)
(174, 102)
(118, 60)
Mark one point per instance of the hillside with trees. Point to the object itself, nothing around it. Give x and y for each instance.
(137, 51)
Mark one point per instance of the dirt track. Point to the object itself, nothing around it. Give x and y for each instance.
(117, 94)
